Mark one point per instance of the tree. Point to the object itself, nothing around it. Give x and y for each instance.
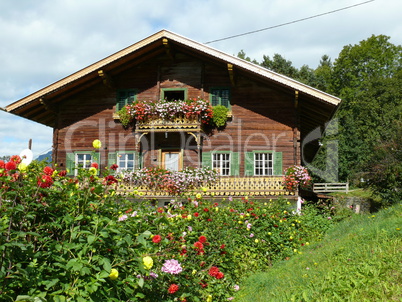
(280, 65)
(368, 79)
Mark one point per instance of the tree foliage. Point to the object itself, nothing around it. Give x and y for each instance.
(368, 78)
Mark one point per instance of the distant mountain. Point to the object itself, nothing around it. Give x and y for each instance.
(45, 157)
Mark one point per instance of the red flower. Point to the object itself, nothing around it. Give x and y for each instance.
(156, 239)
(222, 246)
(45, 181)
(198, 245)
(16, 159)
(95, 165)
(213, 271)
(48, 170)
(160, 210)
(219, 275)
(196, 214)
(183, 252)
(110, 179)
(203, 284)
(11, 165)
(202, 239)
(63, 173)
(2, 164)
(206, 210)
(114, 167)
(173, 288)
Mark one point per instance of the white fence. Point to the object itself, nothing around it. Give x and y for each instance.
(331, 187)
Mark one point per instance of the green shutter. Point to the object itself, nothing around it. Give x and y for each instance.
(249, 164)
(111, 158)
(235, 165)
(70, 163)
(278, 163)
(206, 159)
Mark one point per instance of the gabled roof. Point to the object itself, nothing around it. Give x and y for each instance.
(37, 106)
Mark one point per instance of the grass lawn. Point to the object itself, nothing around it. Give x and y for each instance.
(358, 260)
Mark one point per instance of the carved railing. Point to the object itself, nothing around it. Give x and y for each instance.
(226, 186)
(161, 125)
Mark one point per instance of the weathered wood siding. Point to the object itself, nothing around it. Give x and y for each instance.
(264, 117)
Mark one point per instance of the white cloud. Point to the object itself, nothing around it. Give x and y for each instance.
(43, 41)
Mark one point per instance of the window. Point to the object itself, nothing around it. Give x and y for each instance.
(83, 160)
(80, 160)
(263, 164)
(221, 163)
(125, 97)
(226, 162)
(126, 161)
(220, 96)
(174, 94)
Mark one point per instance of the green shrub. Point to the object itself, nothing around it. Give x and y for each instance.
(220, 115)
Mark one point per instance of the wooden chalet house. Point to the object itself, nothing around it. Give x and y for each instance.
(269, 114)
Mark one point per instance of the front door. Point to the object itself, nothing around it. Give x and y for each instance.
(171, 160)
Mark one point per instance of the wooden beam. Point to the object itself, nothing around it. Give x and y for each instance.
(45, 104)
(106, 79)
(168, 49)
(231, 74)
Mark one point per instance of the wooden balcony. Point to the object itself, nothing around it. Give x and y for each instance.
(175, 125)
(267, 186)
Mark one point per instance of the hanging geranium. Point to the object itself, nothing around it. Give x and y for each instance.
(296, 177)
(143, 111)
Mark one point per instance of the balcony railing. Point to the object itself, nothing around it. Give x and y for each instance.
(226, 186)
(160, 125)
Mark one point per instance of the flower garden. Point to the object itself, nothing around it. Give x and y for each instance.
(77, 239)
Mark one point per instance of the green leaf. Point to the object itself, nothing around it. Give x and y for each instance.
(141, 282)
(91, 239)
(106, 265)
(51, 283)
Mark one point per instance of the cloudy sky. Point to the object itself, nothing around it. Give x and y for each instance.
(44, 41)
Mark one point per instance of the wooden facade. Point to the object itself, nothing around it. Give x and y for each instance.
(269, 114)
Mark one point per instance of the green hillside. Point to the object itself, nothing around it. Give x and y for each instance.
(358, 260)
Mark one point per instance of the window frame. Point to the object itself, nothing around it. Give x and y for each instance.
(221, 161)
(119, 106)
(267, 161)
(220, 89)
(184, 90)
(134, 160)
(249, 163)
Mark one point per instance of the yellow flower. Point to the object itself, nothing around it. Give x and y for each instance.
(97, 144)
(22, 167)
(114, 273)
(148, 262)
(204, 189)
(194, 272)
(256, 241)
(189, 217)
(398, 229)
(198, 195)
(209, 298)
(93, 171)
(269, 233)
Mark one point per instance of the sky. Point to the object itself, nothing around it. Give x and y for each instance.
(44, 41)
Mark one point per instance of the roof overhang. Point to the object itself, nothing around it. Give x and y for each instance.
(38, 105)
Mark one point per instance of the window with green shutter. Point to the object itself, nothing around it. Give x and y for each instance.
(263, 163)
(81, 160)
(125, 97)
(225, 162)
(126, 160)
(220, 96)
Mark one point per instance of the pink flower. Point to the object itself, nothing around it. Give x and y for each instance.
(172, 267)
